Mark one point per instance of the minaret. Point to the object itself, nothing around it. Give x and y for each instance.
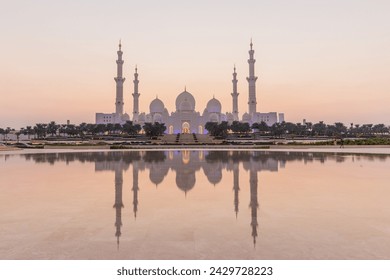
(254, 204)
(235, 95)
(135, 97)
(252, 82)
(119, 83)
(118, 202)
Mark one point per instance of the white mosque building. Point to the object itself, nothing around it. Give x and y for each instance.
(186, 119)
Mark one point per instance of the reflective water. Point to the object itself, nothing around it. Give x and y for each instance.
(194, 205)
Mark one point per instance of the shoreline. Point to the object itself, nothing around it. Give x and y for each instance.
(361, 149)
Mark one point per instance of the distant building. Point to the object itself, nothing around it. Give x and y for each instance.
(186, 119)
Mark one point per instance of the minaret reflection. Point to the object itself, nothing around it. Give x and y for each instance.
(236, 186)
(135, 188)
(254, 204)
(118, 203)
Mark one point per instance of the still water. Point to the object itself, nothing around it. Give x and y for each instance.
(194, 205)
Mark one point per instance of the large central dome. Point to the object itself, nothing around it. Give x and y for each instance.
(185, 102)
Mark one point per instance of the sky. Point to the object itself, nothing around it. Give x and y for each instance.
(316, 60)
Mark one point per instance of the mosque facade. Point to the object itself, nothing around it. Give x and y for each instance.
(186, 119)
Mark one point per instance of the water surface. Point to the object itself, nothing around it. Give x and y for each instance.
(194, 205)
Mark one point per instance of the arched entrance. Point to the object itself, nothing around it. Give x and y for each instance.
(200, 129)
(170, 130)
(185, 127)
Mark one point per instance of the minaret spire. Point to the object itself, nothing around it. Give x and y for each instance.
(135, 189)
(119, 79)
(236, 186)
(118, 202)
(235, 95)
(254, 204)
(136, 95)
(252, 82)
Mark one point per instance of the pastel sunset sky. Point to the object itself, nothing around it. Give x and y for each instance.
(316, 60)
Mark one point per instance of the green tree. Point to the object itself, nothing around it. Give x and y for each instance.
(217, 129)
(52, 128)
(109, 128)
(117, 128)
(90, 127)
(277, 129)
(71, 130)
(82, 129)
(261, 127)
(319, 128)
(154, 129)
(130, 128)
(380, 129)
(240, 127)
(40, 130)
(28, 131)
(2, 132)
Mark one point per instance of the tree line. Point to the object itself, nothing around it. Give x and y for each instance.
(52, 129)
(306, 129)
(223, 129)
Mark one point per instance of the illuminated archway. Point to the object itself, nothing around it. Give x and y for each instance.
(185, 127)
(185, 156)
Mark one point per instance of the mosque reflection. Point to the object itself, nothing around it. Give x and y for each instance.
(185, 164)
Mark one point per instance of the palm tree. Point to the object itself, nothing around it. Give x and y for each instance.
(308, 128)
(71, 130)
(319, 128)
(130, 128)
(261, 127)
(109, 128)
(154, 129)
(240, 127)
(117, 128)
(28, 131)
(52, 128)
(82, 129)
(90, 128)
(380, 129)
(17, 133)
(277, 129)
(2, 131)
(99, 129)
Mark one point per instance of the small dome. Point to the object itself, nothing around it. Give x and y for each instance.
(246, 117)
(187, 97)
(230, 117)
(214, 106)
(156, 106)
(141, 117)
(157, 117)
(125, 117)
(213, 117)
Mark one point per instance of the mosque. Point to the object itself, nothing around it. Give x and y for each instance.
(186, 119)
